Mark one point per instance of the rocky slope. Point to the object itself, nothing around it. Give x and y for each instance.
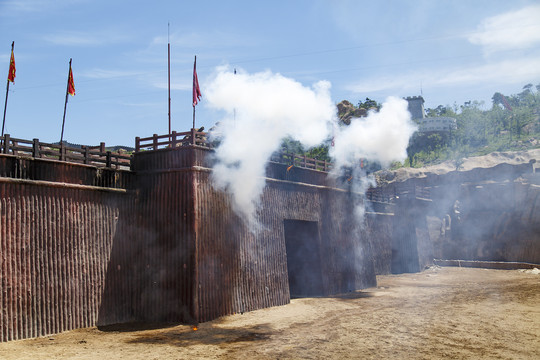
(477, 162)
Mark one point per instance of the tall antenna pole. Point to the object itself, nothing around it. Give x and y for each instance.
(169, 72)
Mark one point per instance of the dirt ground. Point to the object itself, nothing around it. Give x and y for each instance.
(451, 313)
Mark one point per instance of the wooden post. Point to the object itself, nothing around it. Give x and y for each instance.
(62, 152)
(108, 161)
(155, 141)
(102, 147)
(35, 148)
(6, 144)
(137, 144)
(86, 155)
(174, 141)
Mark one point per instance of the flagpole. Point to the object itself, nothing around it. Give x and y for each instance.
(194, 69)
(196, 90)
(5, 107)
(7, 92)
(169, 73)
(65, 106)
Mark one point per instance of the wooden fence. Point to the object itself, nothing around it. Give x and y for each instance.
(91, 155)
(172, 140)
(302, 161)
(97, 156)
(194, 137)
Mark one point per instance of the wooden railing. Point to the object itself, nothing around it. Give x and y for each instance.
(389, 195)
(414, 191)
(302, 161)
(173, 140)
(91, 155)
(194, 137)
(98, 156)
(379, 195)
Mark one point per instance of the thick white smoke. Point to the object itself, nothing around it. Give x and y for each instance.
(381, 136)
(261, 109)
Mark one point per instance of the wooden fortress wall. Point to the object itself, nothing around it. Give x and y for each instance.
(55, 248)
(160, 244)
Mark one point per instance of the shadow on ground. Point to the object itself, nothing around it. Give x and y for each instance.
(206, 334)
(137, 326)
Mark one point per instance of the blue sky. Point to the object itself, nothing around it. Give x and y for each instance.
(452, 51)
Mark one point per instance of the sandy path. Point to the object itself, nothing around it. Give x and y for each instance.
(440, 313)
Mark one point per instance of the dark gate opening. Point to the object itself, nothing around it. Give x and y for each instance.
(303, 257)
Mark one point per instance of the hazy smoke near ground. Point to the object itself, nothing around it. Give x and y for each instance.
(260, 110)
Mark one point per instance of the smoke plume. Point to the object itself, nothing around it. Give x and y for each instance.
(260, 110)
(381, 136)
(263, 108)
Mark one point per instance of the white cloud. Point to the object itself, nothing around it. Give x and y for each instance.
(97, 73)
(511, 71)
(178, 85)
(18, 7)
(384, 83)
(155, 79)
(206, 40)
(24, 6)
(85, 39)
(506, 71)
(512, 30)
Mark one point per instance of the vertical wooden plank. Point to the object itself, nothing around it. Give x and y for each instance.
(85, 249)
(12, 312)
(25, 263)
(47, 280)
(53, 263)
(40, 237)
(3, 266)
(35, 268)
(78, 266)
(95, 231)
(71, 210)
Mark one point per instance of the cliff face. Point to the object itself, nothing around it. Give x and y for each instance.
(489, 213)
(346, 111)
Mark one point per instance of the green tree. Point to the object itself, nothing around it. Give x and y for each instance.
(369, 104)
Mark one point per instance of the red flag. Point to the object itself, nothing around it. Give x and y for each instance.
(11, 74)
(71, 84)
(196, 90)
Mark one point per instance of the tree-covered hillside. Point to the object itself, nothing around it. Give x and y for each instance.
(510, 123)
